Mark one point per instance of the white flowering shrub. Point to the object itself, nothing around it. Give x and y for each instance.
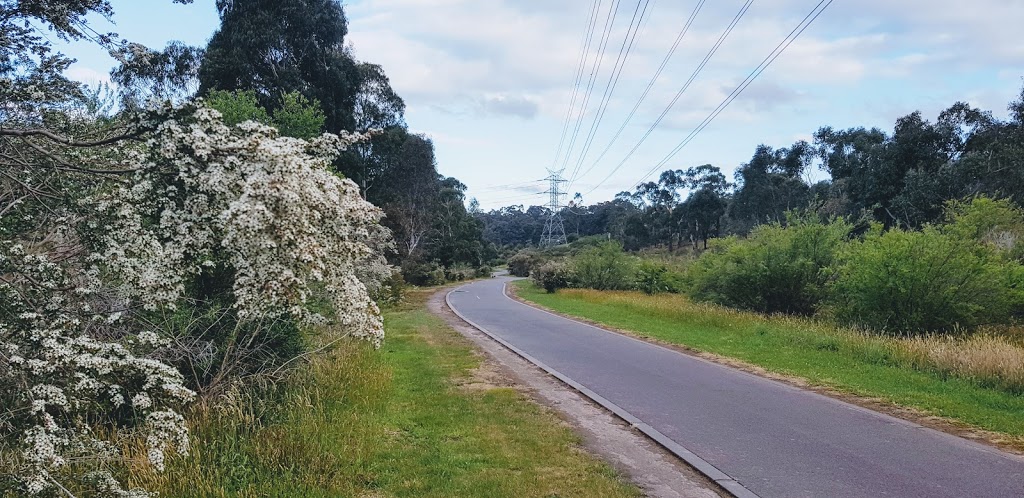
(264, 207)
(59, 385)
(251, 229)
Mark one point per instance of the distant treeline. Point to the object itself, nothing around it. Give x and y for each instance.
(899, 179)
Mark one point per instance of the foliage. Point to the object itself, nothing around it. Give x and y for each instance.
(424, 274)
(605, 267)
(298, 117)
(769, 186)
(146, 75)
(265, 46)
(225, 224)
(520, 264)
(237, 107)
(900, 179)
(294, 116)
(654, 278)
(61, 376)
(996, 223)
(552, 275)
(459, 273)
(777, 268)
(921, 281)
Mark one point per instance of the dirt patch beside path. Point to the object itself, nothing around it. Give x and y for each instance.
(657, 472)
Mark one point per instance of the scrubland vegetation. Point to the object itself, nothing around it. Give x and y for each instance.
(419, 417)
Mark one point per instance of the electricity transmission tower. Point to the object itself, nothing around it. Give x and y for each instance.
(554, 229)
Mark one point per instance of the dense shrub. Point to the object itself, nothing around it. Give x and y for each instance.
(392, 289)
(930, 280)
(604, 267)
(996, 223)
(459, 273)
(423, 274)
(775, 269)
(522, 262)
(552, 276)
(484, 271)
(653, 278)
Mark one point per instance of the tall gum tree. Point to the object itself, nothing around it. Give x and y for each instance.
(273, 48)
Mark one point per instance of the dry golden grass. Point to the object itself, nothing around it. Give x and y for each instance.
(992, 357)
(986, 358)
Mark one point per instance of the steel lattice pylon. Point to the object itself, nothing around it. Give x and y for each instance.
(554, 228)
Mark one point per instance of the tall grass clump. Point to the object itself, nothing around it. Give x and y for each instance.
(776, 269)
(987, 358)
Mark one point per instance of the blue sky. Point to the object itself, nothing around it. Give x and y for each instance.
(490, 80)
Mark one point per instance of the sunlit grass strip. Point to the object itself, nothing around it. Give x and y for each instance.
(977, 380)
(393, 422)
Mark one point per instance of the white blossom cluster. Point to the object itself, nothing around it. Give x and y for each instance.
(266, 207)
(204, 198)
(57, 381)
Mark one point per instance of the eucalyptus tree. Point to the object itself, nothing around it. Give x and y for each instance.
(273, 48)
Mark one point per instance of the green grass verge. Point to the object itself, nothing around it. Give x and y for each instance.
(412, 419)
(827, 356)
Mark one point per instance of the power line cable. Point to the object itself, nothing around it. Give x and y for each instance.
(700, 67)
(779, 49)
(587, 38)
(613, 80)
(647, 91)
(599, 59)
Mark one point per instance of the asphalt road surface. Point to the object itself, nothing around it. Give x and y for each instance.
(774, 439)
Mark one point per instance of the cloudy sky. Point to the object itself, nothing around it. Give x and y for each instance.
(491, 81)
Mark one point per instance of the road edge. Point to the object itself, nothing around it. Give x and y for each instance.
(726, 482)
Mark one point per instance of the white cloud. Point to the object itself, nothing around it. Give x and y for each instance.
(87, 75)
(861, 63)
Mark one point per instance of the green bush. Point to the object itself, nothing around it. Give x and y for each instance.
(484, 271)
(776, 269)
(522, 262)
(552, 276)
(930, 280)
(423, 274)
(654, 278)
(459, 273)
(392, 290)
(997, 223)
(604, 267)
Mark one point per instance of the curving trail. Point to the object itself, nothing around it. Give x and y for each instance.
(755, 436)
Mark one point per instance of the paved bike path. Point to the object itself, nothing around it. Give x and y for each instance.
(774, 439)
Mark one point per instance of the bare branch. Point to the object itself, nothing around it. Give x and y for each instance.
(41, 132)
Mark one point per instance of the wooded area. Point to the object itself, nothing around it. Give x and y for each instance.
(900, 179)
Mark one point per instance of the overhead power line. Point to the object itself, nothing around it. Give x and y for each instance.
(646, 92)
(598, 60)
(779, 49)
(696, 72)
(635, 24)
(587, 37)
